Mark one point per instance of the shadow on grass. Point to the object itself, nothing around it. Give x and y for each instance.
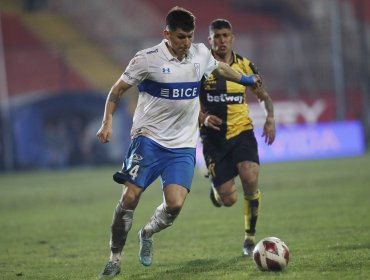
(192, 268)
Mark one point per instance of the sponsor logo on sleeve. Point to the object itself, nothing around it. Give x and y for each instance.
(152, 51)
(127, 74)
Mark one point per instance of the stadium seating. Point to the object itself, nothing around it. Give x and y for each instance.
(208, 10)
(30, 65)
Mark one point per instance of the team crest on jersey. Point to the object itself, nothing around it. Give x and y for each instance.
(210, 83)
(166, 70)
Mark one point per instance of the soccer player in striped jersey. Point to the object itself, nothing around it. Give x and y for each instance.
(164, 131)
(229, 143)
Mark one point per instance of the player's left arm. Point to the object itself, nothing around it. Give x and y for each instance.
(269, 129)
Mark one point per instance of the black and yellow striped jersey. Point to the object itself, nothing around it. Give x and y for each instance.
(227, 100)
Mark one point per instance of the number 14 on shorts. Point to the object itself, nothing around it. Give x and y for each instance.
(134, 171)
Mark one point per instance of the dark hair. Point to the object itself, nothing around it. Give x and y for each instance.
(178, 17)
(219, 24)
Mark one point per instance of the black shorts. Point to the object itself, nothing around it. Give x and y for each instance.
(221, 159)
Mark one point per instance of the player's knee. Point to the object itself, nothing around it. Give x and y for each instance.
(174, 210)
(229, 201)
(229, 198)
(174, 205)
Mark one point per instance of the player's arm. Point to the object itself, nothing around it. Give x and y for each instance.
(230, 74)
(104, 134)
(269, 129)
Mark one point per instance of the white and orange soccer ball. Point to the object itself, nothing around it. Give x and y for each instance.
(271, 254)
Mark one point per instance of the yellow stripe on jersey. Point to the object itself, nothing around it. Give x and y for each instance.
(238, 120)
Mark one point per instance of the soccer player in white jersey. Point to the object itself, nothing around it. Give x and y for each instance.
(164, 131)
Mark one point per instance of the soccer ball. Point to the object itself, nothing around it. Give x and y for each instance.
(271, 254)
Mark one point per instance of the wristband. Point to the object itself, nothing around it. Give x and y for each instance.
(247, 80)
(206, 121)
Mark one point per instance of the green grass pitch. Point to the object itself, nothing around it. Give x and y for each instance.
(55, 225)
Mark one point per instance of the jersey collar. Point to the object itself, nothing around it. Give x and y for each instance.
(170, 57)
(234, 58)
(233, 54)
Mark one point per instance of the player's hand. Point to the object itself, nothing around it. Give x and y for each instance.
(257, 82)
(104, 134)
(213, 122)
(269, 130)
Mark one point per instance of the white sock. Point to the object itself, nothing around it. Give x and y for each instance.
(115, 257)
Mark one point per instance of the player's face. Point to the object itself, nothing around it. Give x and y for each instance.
(179, 42)
(221, 41)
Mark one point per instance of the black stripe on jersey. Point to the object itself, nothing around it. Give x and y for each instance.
(221, 84)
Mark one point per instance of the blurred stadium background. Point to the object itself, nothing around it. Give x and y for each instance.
(58, 60)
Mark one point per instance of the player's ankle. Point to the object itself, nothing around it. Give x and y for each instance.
(115, 257)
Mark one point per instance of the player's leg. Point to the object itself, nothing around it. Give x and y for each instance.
(226, 193)
(221, 172)
(213, 193)
(138, 172)
(121, 225)
(177, 175)
(163, 217)
(245, 155)
(122, 219)
(249, 172)
(223, 188)
(167, 212)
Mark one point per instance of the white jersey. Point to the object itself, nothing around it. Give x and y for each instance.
(168, 105)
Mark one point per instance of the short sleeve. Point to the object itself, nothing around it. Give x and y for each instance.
(136, 70)
(211, 62)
